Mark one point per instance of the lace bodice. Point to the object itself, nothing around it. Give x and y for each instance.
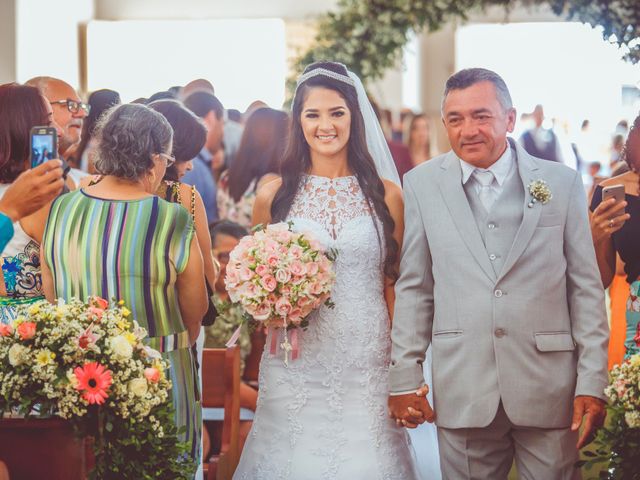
(324, 416)
(330, 202)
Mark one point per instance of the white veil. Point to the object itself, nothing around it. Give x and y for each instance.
(376, 141)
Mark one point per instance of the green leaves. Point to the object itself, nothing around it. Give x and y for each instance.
(368, 36)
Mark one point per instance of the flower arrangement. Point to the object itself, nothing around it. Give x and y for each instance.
(87, 363)
(618, 444)
(279, 277)
(540, 192)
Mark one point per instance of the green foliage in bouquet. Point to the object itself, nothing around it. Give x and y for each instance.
(368, 36)
(616, 449)
(87, 363)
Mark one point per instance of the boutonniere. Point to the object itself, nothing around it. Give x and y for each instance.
(539, 191)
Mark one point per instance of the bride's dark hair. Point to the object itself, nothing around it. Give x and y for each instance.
(297, 159)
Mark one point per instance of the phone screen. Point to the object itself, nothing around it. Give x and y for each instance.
(43, 146)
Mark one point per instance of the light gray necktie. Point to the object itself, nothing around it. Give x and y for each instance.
(485, 181)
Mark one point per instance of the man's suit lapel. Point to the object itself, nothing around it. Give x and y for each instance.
(527, 170)
(458, 206)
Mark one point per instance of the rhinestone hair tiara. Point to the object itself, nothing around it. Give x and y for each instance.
(327, 73)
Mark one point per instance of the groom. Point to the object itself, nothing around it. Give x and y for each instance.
(499, 275)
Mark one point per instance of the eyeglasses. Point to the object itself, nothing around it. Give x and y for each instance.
(73, 106)
(169, 159)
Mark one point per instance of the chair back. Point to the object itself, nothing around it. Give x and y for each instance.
(221, 389)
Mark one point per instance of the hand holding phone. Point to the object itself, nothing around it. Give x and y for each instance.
(44, 145)
(609, 218)
(613, 191)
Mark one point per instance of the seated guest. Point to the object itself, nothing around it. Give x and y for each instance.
(615, 227)
(21, 108)
(99, 102)
(117, 239)
(257, 162)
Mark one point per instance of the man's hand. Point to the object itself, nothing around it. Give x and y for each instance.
(592, 411)
(412, 409)
(32, 190)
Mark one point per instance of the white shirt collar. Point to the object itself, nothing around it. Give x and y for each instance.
(500, 169)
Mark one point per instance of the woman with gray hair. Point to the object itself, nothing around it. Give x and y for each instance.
(116, 239)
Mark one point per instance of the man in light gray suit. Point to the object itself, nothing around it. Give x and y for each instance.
(498, 274)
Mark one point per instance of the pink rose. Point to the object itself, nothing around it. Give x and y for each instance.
(263, 312)
(262, 270)
(269, 283)
(303, 302)
(297, 280)
(5, 330)
(285, 290)
(232, 278)
(273, 260)
(296, 252)
(297, 268)
(152, 374)
(283, 307)
(317, 288)
(312, 268)
(295, 315)
(245, 274)
(27, 330)
(97, 312)
(283, 276)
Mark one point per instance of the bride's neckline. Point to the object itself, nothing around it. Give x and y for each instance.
(329, 179)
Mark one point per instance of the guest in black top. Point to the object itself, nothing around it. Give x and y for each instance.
(615, 227)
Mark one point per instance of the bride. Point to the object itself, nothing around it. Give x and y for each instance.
(324, 416)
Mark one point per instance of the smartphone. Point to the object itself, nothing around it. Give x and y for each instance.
(613, 191)
(44, 145)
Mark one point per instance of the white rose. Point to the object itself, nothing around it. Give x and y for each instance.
(152, 353)
(121, 347)
(17, 354)
(138, 386)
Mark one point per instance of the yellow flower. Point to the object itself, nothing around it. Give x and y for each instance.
(34, 310)
(123, 324)
(125, 311)
(131, 338)
(121, 302)
(45, 357)
(635, 360)
(61, 310)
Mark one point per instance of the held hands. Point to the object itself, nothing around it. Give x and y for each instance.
(608, 218)
(32, 190)
(412, 409)
(592, 411)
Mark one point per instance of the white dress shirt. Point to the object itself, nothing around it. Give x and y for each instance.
(501, 169)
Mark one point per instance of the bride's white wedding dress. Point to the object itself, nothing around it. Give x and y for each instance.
(324, 416)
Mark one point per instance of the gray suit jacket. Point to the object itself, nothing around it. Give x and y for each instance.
(532, 336)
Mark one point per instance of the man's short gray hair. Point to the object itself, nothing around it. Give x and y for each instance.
(128, 135)
(470, 76)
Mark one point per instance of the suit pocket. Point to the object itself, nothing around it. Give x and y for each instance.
(554, 342)
(550, 220)
(447, 334)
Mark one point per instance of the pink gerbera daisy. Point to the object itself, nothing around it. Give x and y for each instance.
(94, 380)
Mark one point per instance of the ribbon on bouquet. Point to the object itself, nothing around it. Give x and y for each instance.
(291, 344)
(234, 338)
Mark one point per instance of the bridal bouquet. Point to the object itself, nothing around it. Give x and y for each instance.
(618, 444)
(279, 277)
(87, 363)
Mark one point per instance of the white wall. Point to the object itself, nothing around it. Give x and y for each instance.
(7, 41)
(202, 9)
(47, 38)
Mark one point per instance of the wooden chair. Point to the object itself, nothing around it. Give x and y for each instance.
(221, 389)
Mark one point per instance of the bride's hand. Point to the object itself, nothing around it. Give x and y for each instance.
(411, 409)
